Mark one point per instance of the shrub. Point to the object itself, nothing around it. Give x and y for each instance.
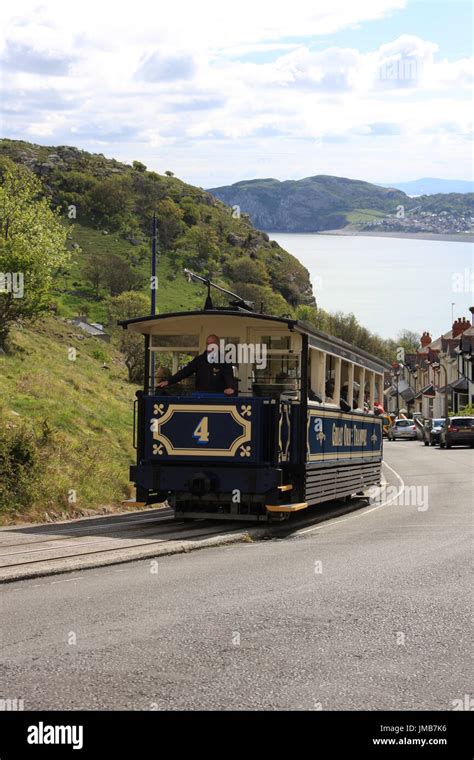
(19, 467)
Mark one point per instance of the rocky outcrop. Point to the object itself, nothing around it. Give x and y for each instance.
(308, 205)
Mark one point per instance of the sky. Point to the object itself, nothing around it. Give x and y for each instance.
(216, 92)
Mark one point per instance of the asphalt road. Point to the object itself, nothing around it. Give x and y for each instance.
(369, 611)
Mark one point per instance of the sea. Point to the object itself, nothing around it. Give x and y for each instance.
(389, 284)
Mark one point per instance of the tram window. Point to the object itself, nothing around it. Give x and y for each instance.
(349, 386)
(231, 348)
(175, 341)
(330, 379)
(316, 375)
(280, 376)
(277, 342)
(167, 363)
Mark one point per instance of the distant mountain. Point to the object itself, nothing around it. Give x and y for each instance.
(432, 186)
(324, 202)
(312, 204)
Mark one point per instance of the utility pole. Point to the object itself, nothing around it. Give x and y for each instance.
(153, 266)
(153, 284)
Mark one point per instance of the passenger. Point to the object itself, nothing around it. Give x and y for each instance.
(162, 373)
(355, 394)
(329, 391)
(330, 388)
(211, 376)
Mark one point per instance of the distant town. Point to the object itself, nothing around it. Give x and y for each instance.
(442, 222)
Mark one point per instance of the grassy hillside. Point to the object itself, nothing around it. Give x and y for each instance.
(110, 205)
(67, 425)
(74, 294)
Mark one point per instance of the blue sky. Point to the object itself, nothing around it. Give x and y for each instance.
(378, 90)
(447, 22)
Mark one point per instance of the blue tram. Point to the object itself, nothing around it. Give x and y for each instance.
(298, 430)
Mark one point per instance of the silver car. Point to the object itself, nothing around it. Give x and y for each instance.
(404, 429)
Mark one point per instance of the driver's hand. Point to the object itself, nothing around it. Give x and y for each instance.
(163, 384)
(229, 391)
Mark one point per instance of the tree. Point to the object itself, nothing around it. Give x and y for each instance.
(199, 247)
(409, 340)
(110, 202)
(245, 269)
(94, 272)
(118, 275)
(190, 211)
(126, 306)
(306, 314)
(169, 174)
(169, 218)
(32, 247)
(138, 166)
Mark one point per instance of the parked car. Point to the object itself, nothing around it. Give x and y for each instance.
(459, 432)
(432, 431)
(403, 428)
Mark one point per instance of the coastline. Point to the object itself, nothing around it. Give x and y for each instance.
(452, 238)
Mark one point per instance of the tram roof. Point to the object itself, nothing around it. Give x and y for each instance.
(318, 338)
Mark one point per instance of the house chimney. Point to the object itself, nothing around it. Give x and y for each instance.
(460, 325)
(425, 339)
(471, 309)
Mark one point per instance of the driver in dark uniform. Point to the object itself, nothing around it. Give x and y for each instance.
(211, 377)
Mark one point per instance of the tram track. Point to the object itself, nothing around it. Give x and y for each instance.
(50, 550)
(149, 544)
(174, 528)
(54, 534)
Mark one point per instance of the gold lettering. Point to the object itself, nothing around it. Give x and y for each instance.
(337, 435)
(360, 437)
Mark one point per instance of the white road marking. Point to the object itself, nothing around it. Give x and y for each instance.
(322, 526)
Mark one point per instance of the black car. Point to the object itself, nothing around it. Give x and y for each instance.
(432, 431)
(459, 432)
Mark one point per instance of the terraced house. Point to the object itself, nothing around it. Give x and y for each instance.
(441, 372)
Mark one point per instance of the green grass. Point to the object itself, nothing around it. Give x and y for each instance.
(363, 215)
(71, 292)
(87, 410)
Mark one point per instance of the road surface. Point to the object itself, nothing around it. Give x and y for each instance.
(369, 611)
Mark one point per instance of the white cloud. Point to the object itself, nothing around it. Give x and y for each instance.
(170, 87)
